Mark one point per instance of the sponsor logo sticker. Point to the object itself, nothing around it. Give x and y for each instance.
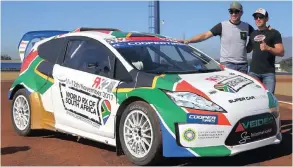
(202, 119)
(189, 135)
(254, 123)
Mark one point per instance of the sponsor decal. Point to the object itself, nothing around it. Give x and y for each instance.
(212, 92)
(97, 92)
(104, 84)
(189, 135)
(254, 123)
(81, 105)
(241, 99)
(247, 98)
(224, 88)
(252, 128)
(143, 43)
(216, 134)
(259, 38)
(216, 78)
(246, 137)
(202, 119)
(236, 83)
(106, 110)
(88, 104)
(231, 73)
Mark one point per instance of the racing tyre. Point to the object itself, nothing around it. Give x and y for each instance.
(21, 113)
(140, 134)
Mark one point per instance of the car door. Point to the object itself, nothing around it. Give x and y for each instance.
(83, 88)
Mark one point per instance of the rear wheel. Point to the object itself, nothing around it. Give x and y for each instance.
(21, 113)
(140, 134)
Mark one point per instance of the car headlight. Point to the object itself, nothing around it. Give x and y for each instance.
(194, 101)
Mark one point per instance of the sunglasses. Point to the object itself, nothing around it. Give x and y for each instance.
(258, 17)
(234, 11)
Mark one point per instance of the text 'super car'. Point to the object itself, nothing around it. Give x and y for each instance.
(145, 94)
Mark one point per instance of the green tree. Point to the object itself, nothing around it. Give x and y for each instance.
(5, 57)
(286, 64)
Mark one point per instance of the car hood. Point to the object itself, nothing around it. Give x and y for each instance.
(230, 89)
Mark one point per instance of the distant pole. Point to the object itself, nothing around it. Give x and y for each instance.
(157, 17)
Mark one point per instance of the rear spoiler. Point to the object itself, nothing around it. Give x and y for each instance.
(28, 38)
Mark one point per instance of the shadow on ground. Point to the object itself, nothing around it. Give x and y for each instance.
(252, 157)
(12, 150)
(68, 137)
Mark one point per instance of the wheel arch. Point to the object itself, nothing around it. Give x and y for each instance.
(12, 92)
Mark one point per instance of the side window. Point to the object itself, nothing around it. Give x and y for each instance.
(88, 56)
(52, 50)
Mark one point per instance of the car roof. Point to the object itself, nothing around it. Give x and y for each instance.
(112, 33)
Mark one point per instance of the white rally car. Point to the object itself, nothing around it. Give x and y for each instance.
(146, 94)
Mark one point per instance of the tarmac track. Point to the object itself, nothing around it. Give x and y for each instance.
(49, 148)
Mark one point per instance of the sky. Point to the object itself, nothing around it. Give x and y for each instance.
(180, 18)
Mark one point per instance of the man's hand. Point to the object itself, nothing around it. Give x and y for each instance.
(183, 41)
(264, 46)
(180, 41)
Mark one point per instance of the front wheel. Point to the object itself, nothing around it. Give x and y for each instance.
(140, 133)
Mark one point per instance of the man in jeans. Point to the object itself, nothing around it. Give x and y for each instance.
(266, 44)
(233, 33)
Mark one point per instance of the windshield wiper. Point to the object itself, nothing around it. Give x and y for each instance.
(208, 70)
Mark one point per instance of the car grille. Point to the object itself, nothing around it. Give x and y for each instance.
(252, 128)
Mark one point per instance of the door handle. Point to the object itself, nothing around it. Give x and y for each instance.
(61, 78)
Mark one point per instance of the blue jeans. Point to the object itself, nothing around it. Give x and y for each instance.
(242, 67)
(268, 79)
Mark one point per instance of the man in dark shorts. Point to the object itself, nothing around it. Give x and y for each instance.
(266, 45)
(233, 33)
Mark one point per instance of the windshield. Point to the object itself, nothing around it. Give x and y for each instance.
(165, 57)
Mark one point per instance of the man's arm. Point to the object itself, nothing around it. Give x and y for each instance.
(216, 30)
(278, 49)
(200, 37)
(249, 46)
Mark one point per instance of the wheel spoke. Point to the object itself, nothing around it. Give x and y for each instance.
(147, 136)
(145, 141)
(144, 123)
(143, 146)
(134, 120)
(131, 129)
(26, 119)
(145, 130)
(141, 118)
(131, 123)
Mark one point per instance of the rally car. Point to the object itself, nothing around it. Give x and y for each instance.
(146, 94)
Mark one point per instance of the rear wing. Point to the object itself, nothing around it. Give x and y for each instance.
(30, 38)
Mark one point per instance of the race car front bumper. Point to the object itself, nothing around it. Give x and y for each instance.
(210, 140)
